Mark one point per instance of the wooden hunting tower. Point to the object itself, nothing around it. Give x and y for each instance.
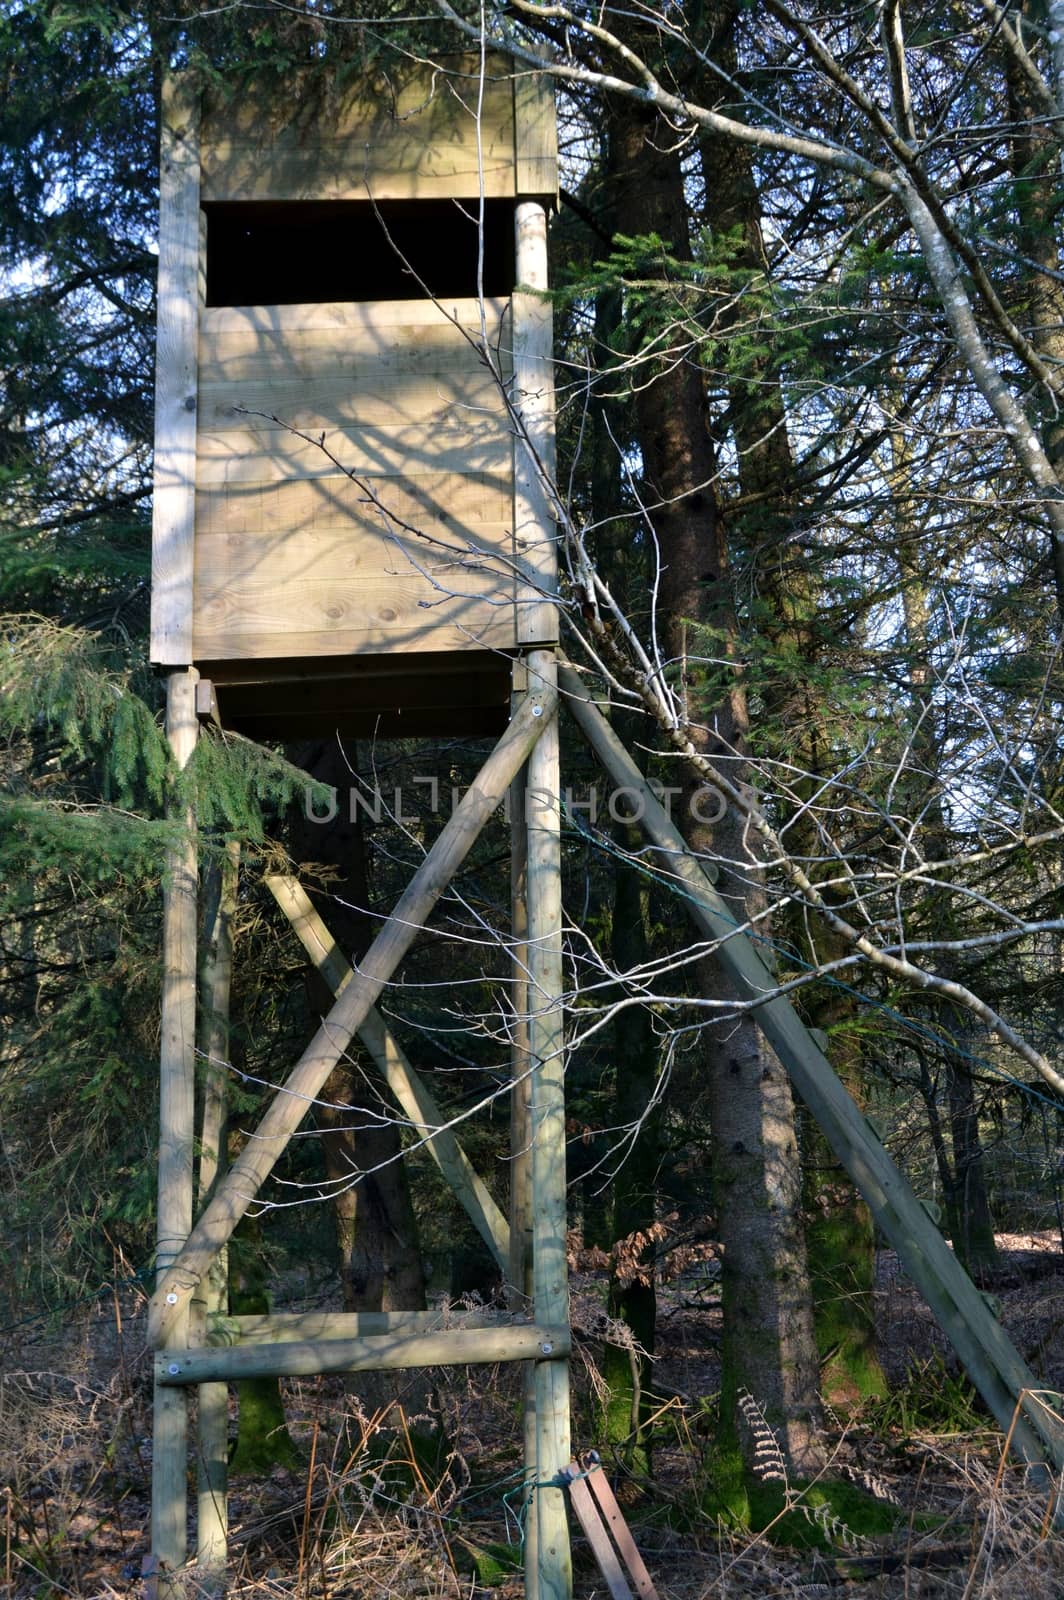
(350, 528)
(354, 532)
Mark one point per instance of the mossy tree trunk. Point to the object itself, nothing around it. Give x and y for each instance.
(839, 1232)
(840, 1239)
(768, 1344)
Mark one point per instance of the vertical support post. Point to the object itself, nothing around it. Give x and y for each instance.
(220, 898)
(547, 1046)
(521, 1288)
(548, 1562)
(177, 1060)
(535, 530)
(179, 299)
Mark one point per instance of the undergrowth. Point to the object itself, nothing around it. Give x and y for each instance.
(368, 1513)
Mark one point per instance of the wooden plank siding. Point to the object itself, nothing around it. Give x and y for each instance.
(291, 557)
(411, 134)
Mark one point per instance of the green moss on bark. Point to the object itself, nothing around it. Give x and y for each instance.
(841, 1251)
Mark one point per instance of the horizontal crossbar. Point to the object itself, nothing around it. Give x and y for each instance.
(454, 1347)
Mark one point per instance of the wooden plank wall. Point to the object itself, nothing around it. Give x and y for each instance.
(294, 558)
(409, 134)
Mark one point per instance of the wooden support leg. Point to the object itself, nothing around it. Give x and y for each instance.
(994, 1365)
(237, 1191)
(177, 1060)
(520, 1266)
(220, 897)
(547, 1564)
(547, 1049)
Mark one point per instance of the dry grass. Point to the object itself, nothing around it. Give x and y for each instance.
(366, 1520)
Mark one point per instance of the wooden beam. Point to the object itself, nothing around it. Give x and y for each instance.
(535, 528)
(249, 1172)
(535, 135)
(992, 1362)
(520, 1274)
(207, 703)
(177, 1072)
(173, 504)
(456, 1347)
(220, 887)
(413, 1094)
(301, 1327)
(550, 1273)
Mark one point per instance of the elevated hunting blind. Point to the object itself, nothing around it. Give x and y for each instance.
(354, 400)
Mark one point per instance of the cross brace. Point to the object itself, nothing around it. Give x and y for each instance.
(237, 1190)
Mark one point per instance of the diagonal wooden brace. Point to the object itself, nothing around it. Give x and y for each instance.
(256, 1161)
(1022, 1411)
(411, 1091)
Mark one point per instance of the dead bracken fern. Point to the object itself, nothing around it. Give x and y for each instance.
(770, 1465)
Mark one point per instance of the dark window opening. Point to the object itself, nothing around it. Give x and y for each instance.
(288, 252)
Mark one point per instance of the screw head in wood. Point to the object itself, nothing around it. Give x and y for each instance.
(171, 1299)
(173, 1369)
(537, 711)
(547, 1347)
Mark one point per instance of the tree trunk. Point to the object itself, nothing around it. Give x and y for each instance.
(633, 1297)
(839, 1233)
(768, 1347)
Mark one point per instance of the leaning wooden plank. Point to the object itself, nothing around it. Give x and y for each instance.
(175, 379)
(411, 1091)
(596, 1535)
(992, 1362)
(455, 1347)
(602, 1490)
(301, 1327)
(238, 1189)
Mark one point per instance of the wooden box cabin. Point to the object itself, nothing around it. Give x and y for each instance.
(350, 529)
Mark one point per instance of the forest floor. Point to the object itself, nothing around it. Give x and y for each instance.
(363, 1518)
